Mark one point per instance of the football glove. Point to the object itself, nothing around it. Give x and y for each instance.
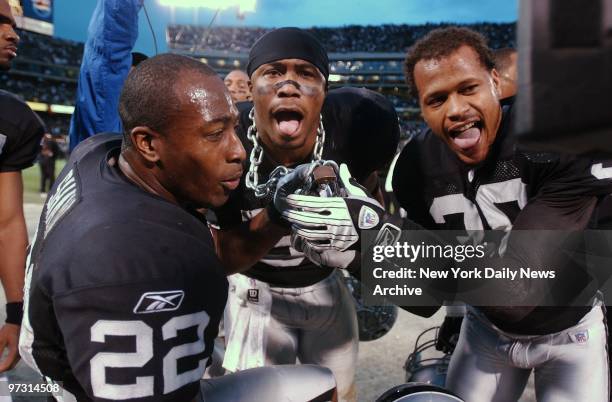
(288, 184)
(331, 223)
(448, 335)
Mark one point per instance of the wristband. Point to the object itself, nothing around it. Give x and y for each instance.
(14, 312)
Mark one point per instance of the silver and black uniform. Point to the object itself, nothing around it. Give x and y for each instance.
(309, 314)
(518, 190)
(20, 133)
(354, 136)
(124, 292)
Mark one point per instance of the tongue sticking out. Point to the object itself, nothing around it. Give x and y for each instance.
(288, 127)
(468, 138)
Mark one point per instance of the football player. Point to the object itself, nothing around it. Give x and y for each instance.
(21, 131)
(124, 290)
(295, 309)
(466, 173)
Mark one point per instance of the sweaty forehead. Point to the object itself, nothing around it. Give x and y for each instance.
(208, 95)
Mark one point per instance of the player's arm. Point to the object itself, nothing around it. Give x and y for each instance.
(112, 33)
(13, 235)
(568, 191)
(13, 244)
(242, 245)
(239, 244)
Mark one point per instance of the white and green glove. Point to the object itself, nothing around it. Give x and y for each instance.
(327, 229)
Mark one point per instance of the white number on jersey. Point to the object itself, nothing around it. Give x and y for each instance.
(143, 386)
(486, 197)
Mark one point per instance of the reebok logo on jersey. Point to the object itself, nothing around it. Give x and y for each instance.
(156, 302)
(368, 218)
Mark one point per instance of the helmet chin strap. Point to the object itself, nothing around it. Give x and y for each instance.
(256, 156)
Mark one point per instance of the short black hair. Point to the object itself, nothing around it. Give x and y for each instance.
(442, 42)
(502, 58)
(148, 97)
(138, 58)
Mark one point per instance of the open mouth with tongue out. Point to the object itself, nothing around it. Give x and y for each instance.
(288, 121)
(467, 135)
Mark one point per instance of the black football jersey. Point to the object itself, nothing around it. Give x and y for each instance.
(510, 189)
(124, 292)
(359, 133)
(21, 131)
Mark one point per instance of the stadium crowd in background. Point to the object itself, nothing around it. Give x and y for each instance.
(48, 67)
(352, 38)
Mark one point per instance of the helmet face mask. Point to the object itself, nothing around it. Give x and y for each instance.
(425, 364)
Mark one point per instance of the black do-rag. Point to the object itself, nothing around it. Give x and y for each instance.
(288, 43)
(365, 124)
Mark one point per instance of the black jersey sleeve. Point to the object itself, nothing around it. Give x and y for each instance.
(21, 131)
(408, 183)
(562, 190)
(138, 323)
(563, 193)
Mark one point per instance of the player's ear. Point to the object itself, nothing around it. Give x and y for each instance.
(496, 82)
(146, 142)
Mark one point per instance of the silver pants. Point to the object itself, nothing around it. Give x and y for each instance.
(491, 365)
(316, 324)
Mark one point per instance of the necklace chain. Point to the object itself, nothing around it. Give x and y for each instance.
(256, 157)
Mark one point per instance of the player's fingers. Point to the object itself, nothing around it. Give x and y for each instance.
(11, 358)
(305, 219)
(314, 237)
(324, 237)
(307, 202)
(8, 360)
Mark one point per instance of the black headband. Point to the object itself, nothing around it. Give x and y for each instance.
(288, 43)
